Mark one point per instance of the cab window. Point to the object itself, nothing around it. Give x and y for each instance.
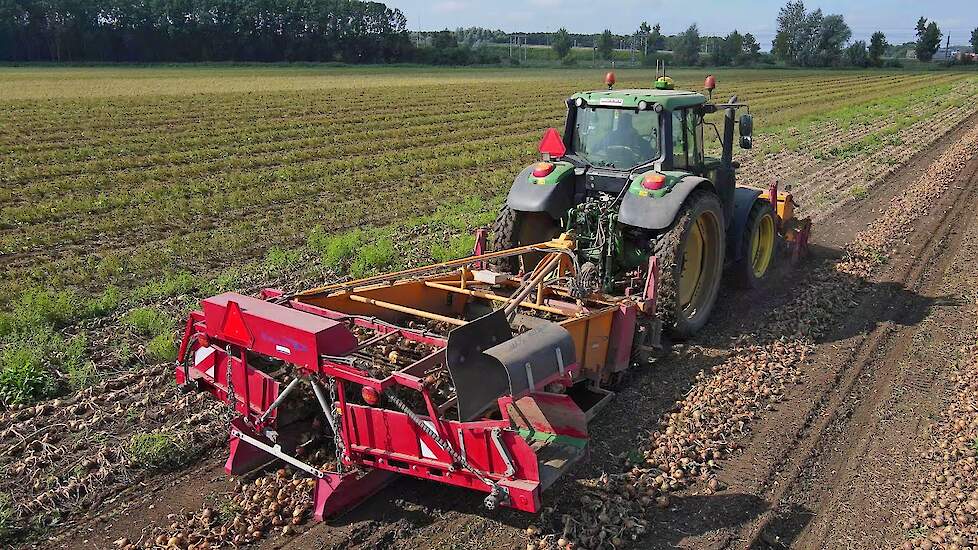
(695, 138)
(679, 139)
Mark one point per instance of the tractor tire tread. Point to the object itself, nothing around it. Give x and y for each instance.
(743, 269)
(667, 248)
(504, 234)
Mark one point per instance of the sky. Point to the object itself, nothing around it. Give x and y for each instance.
(895, 18)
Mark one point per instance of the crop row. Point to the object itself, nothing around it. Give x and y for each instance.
(261, 187)
(189, 158)
(90, 176)
(171, 120)
(184, 169)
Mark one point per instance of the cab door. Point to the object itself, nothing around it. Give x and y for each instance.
(680, 140)
(687, 140)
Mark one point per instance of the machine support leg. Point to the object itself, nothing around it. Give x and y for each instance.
(244, 456)
(338, 493)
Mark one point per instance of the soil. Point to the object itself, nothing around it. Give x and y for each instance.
(832, 465)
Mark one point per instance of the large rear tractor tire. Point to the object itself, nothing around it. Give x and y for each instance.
(690, 255)
(759, 246)
(512, 229)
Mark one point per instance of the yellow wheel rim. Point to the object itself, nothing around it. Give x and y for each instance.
(762, 246)
(692, 270)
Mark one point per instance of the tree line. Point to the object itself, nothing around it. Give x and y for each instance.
(355, 31)
(202, 30)
(813, 39)
(804, 38)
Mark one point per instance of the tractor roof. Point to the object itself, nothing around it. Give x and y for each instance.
(669, 99)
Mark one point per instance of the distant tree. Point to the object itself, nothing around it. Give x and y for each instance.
(686, 49)
(857, 55)
(809, 38)
(833, 33)
(928, 39)
(641, 37)
(731, 49)
(606, 45)
(656, 40)
(442, 40)
(733, 43)
(562, 43)
(974, 40)
(791, 35)
(877, 47)
(475, 37)
(202, 30)
(900, 50)
(752, 50)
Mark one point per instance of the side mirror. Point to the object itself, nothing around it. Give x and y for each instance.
(746, 126)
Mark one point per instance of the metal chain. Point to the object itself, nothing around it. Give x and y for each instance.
(337, 440)
(231, 398)
(459, 459)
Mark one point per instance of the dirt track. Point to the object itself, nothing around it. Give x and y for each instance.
(837, 463)
(831, 466)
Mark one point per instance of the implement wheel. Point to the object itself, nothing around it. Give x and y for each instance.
(758, 246)
(690, 253)
(513, 228)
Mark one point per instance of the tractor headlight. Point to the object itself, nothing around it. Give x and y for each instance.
(579, 102)
(643, 105)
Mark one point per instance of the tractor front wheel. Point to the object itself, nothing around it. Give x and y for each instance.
(690, 255)
(758, 246)
(512, 229)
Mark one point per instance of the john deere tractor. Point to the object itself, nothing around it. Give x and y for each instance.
(629, 180)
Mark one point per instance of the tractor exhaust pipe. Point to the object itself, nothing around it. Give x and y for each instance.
(729, 116)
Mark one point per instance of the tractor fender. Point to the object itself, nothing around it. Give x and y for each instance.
(744, 200)
(555, 199)
(659, 212)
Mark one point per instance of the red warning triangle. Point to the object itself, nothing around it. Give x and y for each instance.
(233, 328)
(552, 144)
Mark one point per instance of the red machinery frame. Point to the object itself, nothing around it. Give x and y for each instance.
(500, 455)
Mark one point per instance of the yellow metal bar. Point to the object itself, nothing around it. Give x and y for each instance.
(560, 244)
(496, 298)
(408, 310)
(546, 265)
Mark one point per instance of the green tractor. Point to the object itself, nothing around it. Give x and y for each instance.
(630, 182)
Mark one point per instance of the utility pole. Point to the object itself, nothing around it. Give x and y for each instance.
(947, 49)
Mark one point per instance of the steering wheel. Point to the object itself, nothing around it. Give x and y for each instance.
(623, 153)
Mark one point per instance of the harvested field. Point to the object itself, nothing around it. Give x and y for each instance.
(129, 194)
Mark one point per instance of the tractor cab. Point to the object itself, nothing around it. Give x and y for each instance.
(626, 130)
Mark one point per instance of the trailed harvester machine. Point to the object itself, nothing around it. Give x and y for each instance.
(484, 372)
(460, 375)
